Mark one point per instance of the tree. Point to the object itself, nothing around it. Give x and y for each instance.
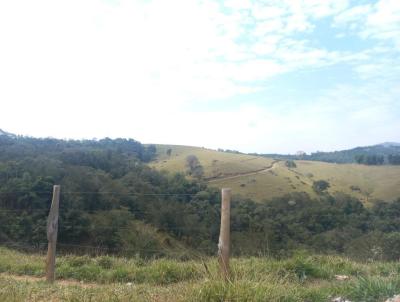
(394, 159)
(359, 158)
(373, 159)
(194, 168)
(149, 153)
(198, 172)
(192, 161)
(320, 186)
(290, 164)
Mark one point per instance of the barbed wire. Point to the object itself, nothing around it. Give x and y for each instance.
(42, 245)
(44, 212)
(99, 192)
(26, 246)
(157, 228)
(87, 211)
(22, 210)
(117, 228)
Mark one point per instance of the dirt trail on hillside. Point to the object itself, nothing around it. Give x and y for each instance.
(237, 175)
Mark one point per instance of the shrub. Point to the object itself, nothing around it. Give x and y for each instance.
(290, 164)
(320, 186)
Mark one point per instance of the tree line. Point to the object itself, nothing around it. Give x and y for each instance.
(372, 155)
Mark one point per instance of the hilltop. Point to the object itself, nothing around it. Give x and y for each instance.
(261, 177)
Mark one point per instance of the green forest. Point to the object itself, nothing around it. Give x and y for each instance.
(112, 201)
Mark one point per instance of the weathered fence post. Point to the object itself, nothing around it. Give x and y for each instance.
(224, 234)
(52, 230)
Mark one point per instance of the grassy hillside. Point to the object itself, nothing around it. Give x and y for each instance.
(374, 182)
(299, 278)
(262, 178)
(216, 164)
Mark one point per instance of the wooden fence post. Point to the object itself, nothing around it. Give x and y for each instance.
(224, 234)
(52, 230)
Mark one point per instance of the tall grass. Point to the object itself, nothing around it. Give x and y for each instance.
(302, 277)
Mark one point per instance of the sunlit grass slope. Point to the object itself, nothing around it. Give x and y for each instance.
(274, 182)
(263, 178)
(373, 182)
(302, 277)
(214, 163)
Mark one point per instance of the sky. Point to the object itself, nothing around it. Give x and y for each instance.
(273, 76)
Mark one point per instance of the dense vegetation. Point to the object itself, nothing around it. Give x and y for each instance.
(106, 190)
(370, 159)
(112, 200)
(386, 153)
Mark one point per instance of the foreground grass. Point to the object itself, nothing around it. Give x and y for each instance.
(301, 278)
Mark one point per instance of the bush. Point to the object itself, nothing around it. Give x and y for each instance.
(320, 186)
(290, 164)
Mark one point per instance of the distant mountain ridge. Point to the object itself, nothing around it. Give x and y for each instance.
(384, 150)
(381, 151)
(389, 144)
(2, 132)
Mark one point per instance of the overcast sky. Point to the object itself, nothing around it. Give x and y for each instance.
(256, 76)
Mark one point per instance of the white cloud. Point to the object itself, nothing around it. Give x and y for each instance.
(320, 9)
(267, 12)
(353, 15)
(268, 26)
(342, 117)
(139, 51)
(130, 68)
(384, 23)
(379, 21)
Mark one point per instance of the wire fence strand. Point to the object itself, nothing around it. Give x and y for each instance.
(121, 250)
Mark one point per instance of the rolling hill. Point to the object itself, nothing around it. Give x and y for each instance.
(260, 177)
